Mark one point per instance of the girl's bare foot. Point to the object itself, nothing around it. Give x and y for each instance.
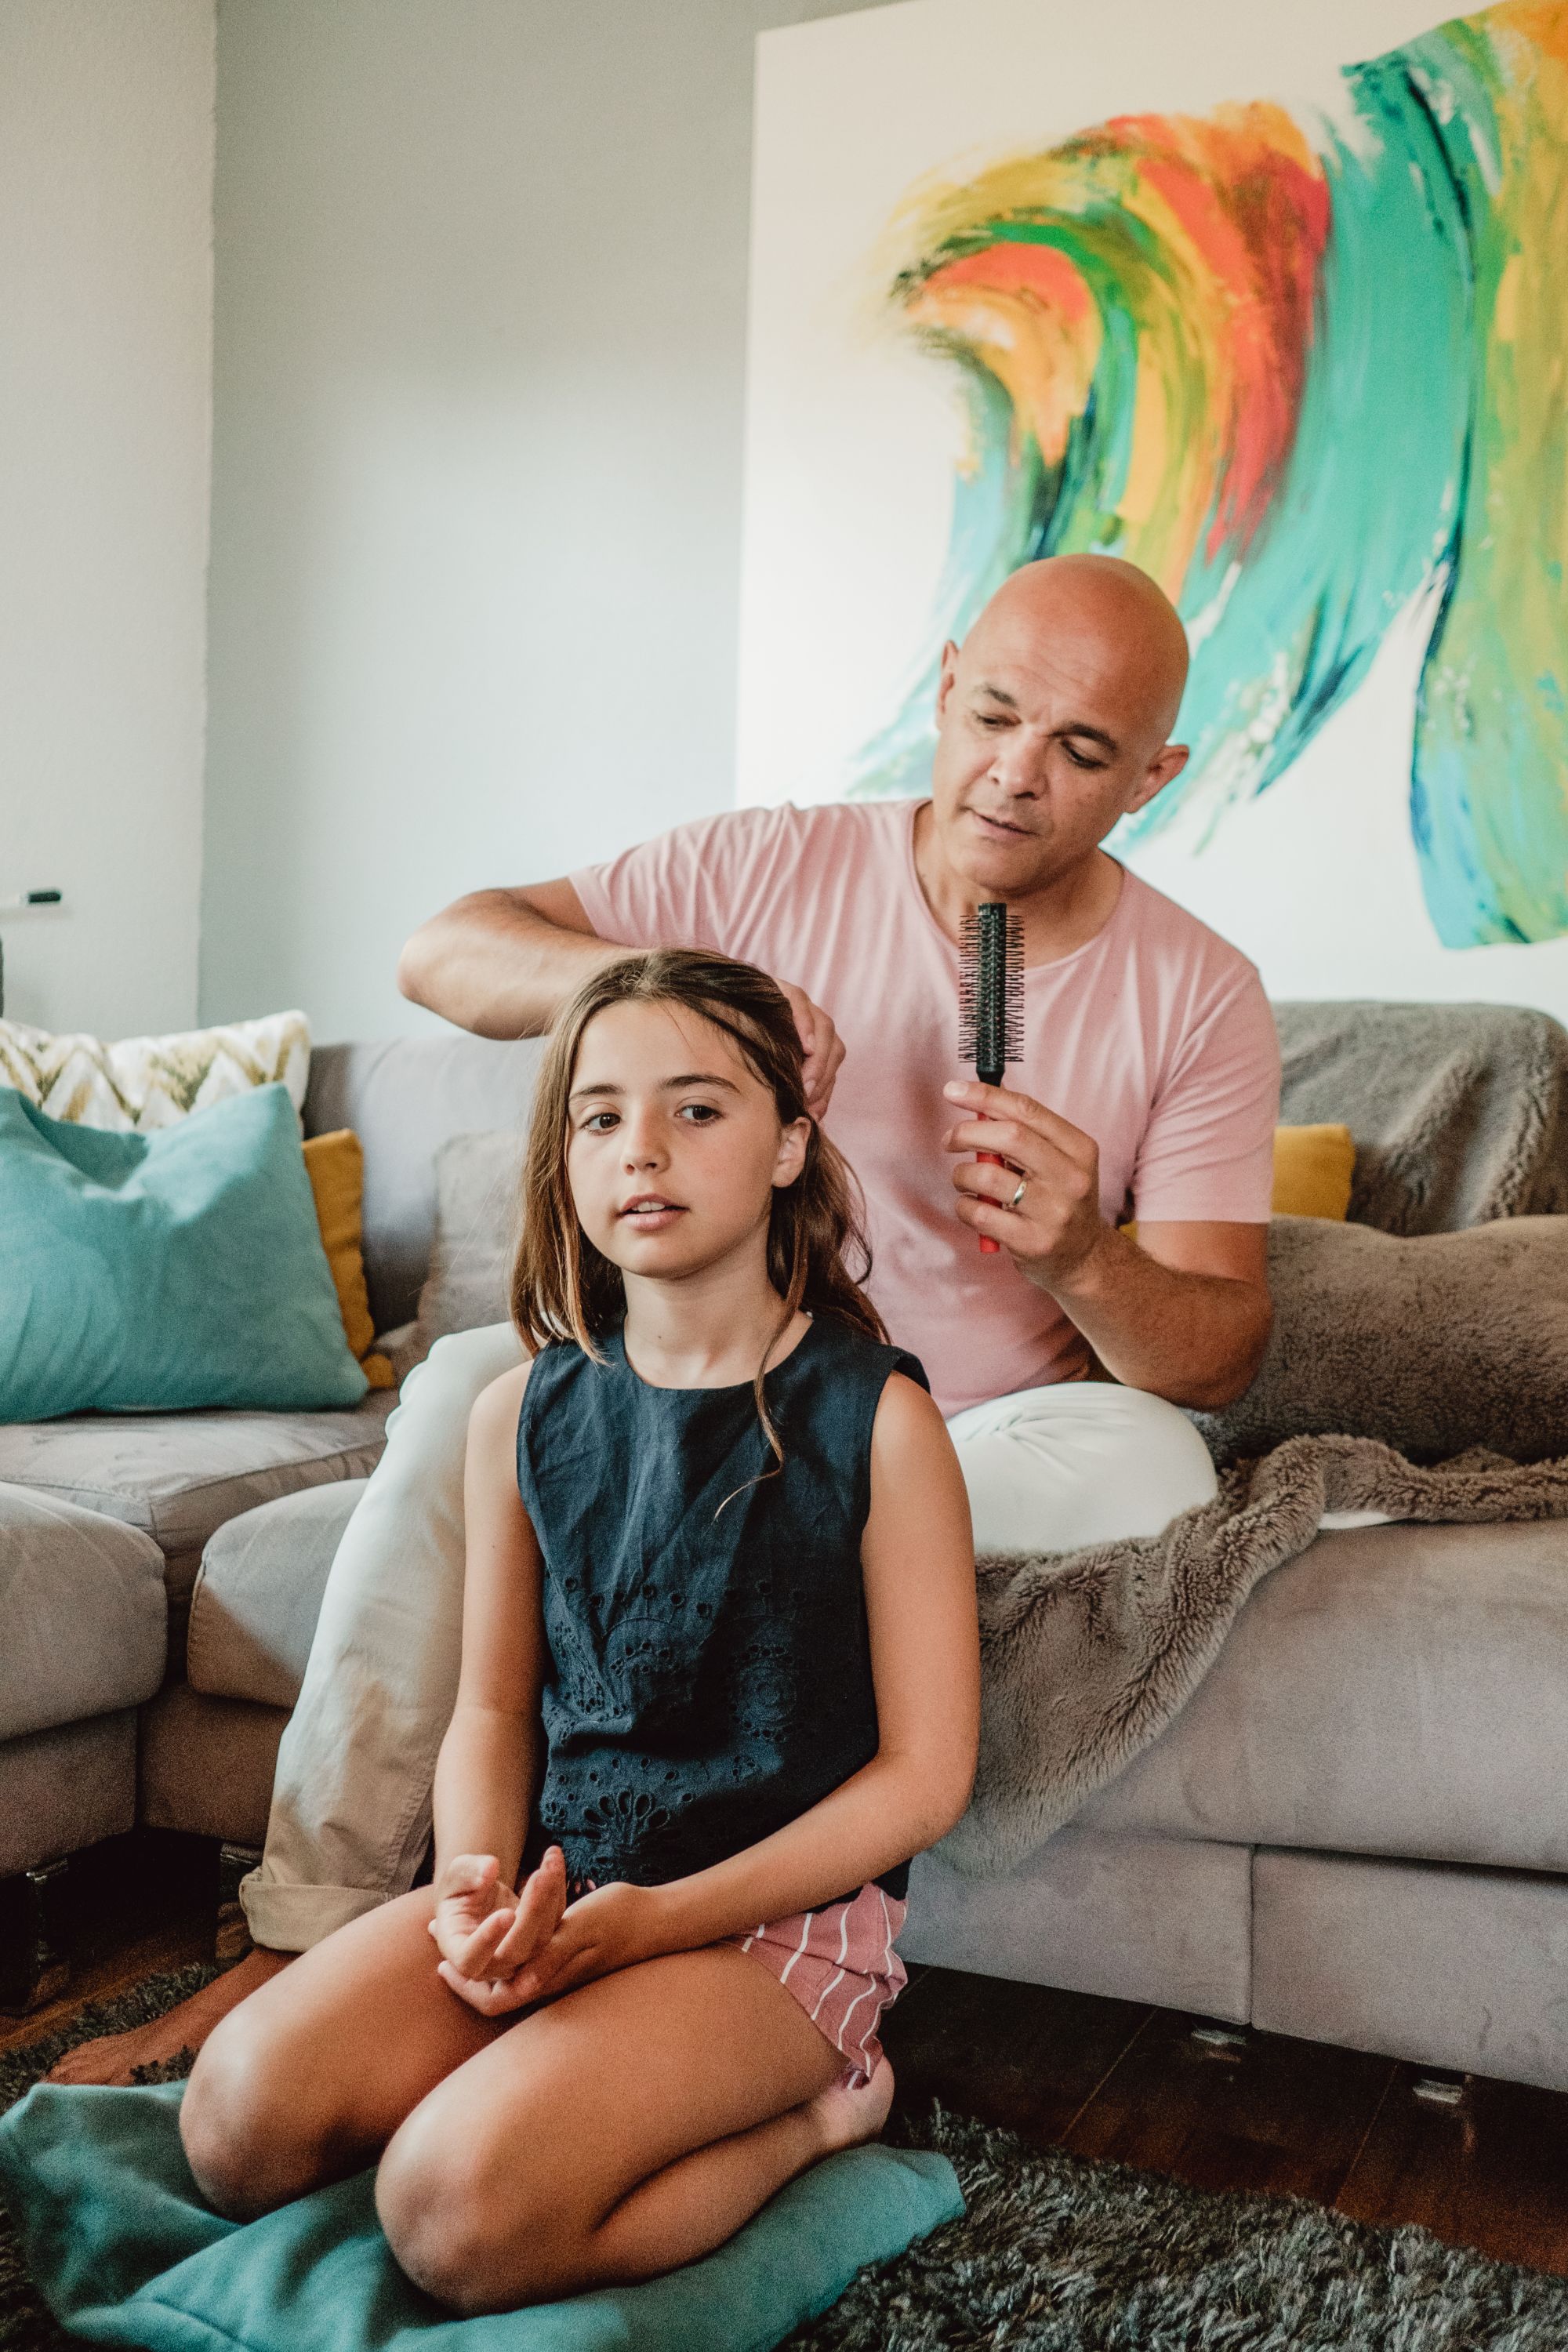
(113, 2057)
(847, 2114)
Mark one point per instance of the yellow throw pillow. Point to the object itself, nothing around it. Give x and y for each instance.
(335, 1166)
(1312, 1170)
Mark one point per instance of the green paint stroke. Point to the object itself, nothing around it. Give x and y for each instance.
(1303, 372)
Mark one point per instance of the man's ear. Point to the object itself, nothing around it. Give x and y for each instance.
(1161, 771)
(792, 1153)
(945, 683)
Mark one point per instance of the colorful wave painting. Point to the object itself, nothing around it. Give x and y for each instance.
(1301, 368)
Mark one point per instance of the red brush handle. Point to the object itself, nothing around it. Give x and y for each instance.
(993, 1160)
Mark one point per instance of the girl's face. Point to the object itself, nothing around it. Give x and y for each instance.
(674, 1145)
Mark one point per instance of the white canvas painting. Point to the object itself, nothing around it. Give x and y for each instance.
(1349, 820)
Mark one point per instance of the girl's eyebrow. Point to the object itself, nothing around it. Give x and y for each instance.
(666, 1086)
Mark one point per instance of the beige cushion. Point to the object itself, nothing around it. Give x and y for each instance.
(1434, 1344)
(83, 1621)
(179, 1475)
(1396, 1690)
(259, 1594)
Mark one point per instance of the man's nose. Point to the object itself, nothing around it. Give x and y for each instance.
(1019, 766)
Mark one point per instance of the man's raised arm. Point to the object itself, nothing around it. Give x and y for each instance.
(503, 962)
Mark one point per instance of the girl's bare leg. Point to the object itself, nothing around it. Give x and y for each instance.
(309, 2077)
(628, 2127)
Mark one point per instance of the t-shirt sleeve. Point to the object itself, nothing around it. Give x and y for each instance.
(1207, 1153)
(685, 888)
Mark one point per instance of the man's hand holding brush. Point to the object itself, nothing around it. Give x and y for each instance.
(1155, 1312)
(1053, 1225)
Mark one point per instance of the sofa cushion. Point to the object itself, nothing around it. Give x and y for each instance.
(1433, 1344)
(259, 1594)
(1396, 1690)
(404, 1098)
(66, 1787)
(83, 1620)
(478, 1219)
(1460, 1112)
(166, 1272)
(179, 1475)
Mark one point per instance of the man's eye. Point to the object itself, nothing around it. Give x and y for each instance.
(1079, 762)
(991, 719)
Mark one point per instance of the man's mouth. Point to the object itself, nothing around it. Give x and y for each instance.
(1001, 825)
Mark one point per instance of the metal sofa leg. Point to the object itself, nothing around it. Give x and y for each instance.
(231, 1938)
(35, 1950)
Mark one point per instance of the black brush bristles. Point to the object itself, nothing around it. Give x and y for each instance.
(991, 991)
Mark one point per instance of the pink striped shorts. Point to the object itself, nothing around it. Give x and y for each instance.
(841, 1967)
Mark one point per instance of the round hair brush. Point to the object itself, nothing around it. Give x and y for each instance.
(991, 1003)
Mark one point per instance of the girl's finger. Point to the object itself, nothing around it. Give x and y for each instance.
(539, 1908)
(480, 1993)
(476, 1953)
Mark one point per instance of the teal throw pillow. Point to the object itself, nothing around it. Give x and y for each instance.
(155, 1273)
(125, 2253)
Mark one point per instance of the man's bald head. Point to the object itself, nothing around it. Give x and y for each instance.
(1099, 601)
(1053, 722)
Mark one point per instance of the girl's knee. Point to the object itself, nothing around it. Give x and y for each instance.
(471, 2224)
(246, 2124)
(228, 2126)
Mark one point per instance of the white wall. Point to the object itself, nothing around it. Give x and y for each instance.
(481, 326)
(106, 168)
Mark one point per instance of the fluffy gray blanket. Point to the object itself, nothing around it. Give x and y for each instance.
(1088, 1656)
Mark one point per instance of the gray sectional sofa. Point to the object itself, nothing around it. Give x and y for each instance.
(1356, 1832)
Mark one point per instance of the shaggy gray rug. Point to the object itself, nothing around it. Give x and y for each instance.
(1059, 2255)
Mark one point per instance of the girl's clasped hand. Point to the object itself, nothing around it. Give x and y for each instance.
(502, 1949)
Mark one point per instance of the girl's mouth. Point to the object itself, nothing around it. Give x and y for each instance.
(652, 1215)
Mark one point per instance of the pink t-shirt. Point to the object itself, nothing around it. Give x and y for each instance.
(1155, 1038)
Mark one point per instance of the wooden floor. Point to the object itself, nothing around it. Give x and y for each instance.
(1477, 2162)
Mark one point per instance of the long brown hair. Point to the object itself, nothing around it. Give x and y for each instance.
(564, 1288)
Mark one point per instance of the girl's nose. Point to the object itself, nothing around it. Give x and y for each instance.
(641, 1149)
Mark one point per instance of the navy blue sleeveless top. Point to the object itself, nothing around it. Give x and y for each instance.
(709, 1676)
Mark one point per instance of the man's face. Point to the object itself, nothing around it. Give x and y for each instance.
(1047, 736)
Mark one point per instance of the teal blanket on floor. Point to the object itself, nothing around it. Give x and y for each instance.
(125, 2251)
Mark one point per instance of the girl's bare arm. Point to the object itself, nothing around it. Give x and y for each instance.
(488, 1770)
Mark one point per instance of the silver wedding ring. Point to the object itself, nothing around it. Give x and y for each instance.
(1019, 1194)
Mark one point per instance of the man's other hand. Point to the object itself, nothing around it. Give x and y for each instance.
(823, 1047)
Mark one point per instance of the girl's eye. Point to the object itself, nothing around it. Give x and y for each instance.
(701, 1114)
(599, 1122)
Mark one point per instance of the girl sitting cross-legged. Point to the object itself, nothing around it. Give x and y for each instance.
(719, 1682)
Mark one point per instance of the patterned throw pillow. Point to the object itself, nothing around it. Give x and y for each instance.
(147, 1082)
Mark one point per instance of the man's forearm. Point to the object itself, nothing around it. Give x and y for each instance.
(494, 964)
(1195, 1338)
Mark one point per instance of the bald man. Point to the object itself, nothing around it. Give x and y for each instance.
(1148, 1089)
